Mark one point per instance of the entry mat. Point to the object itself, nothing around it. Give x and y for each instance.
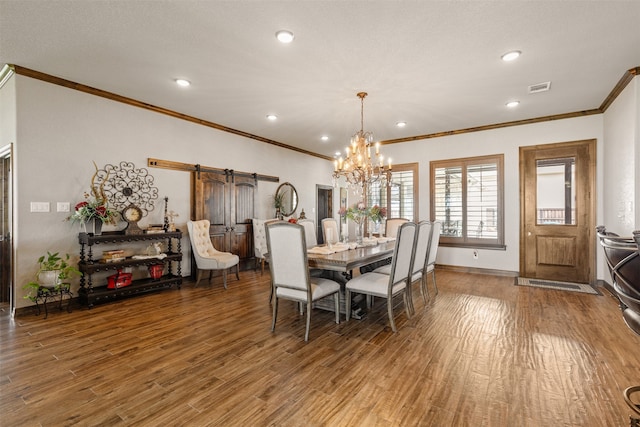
(560, 286)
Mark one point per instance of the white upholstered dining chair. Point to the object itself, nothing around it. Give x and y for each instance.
(290, 276)
(207, 257)
(330, 224)
(431, 260)
(309, 232)
(391, 226)
(260, 241)
(420, 257)
(388, 285)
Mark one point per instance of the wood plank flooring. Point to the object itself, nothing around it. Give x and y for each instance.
(482, 353)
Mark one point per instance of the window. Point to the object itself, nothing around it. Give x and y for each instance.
(400, 197)
(466, 196)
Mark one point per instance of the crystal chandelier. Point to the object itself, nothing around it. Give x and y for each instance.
(361, 167)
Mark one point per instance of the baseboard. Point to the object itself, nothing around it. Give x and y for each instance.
(475, 270)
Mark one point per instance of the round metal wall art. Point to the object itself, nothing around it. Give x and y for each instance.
(125, 185)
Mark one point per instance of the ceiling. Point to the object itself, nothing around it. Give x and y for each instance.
(433, 64)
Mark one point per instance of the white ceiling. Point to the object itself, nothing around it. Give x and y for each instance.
(434, 64)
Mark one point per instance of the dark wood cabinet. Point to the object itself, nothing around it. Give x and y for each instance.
(91, 293)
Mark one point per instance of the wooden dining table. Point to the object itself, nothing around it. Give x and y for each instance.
(346, 261)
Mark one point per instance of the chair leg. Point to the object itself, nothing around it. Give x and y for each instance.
(407, 303)
(210, 275)
(336, 297)
(306, 334)
(423, 288)
(262, 262)
(390, 311)
(435, 285)
(198, 277)
(347, 303)
(224, 278)
(275, 315)
(238, 271)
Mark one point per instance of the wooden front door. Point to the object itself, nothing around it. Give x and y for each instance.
(228, 202)
(557, 209)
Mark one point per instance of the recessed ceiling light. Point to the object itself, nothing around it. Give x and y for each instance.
(512, 104)
(510, 56)
(401, 124)
(284, 36)
(272, 117)
(183, 82)
(324, 138)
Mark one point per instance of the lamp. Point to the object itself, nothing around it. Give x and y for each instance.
(361, 167)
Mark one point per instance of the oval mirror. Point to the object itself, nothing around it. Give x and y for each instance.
(288, 197)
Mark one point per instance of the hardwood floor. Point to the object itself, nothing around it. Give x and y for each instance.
(483, 353)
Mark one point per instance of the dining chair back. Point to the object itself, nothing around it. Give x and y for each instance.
(330, 229)
(309, 232)
(387, 286)
(391, 226)
(420, 257)
(260, 241)
(290, 276)
(431, 258)
(206, 255)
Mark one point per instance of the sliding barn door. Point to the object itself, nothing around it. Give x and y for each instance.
(228, 202)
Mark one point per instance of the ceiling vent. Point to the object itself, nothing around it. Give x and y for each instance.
(540, 87)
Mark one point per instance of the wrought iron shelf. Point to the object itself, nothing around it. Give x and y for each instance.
(90, 294)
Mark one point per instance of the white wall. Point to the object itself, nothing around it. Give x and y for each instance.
(498, 141)
(61, 131)
(622, 162)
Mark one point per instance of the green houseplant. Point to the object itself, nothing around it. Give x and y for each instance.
(53, 270)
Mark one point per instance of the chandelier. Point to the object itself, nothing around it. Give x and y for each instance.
(361, 167)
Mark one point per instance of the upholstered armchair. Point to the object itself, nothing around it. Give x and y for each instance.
(207, 257)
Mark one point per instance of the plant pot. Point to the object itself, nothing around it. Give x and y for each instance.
(49, 278)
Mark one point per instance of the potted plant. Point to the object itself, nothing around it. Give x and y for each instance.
(278, 201)
(53, 270)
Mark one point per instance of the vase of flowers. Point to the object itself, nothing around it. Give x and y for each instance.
(376, 215)
(358, 214)
(94, 210)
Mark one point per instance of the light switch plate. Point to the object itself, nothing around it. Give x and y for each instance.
(63, 207)
(40, 207)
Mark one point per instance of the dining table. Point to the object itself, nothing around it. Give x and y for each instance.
(344, 262)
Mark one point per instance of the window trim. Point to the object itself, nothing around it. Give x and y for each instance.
(464, 163)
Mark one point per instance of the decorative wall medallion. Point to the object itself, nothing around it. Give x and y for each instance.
(128, 190)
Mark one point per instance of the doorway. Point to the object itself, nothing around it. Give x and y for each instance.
(6, 246)
(324, 208)
(557, 211)
(228, 201)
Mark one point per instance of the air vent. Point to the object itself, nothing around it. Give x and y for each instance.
(540, 87)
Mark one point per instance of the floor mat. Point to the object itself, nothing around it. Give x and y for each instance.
(560, 286)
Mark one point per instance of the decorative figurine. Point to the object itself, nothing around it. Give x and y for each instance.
(302, 214)
(171, 221)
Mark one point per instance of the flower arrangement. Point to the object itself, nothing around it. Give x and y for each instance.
(95, 206)
(377, 214)
(359, 213)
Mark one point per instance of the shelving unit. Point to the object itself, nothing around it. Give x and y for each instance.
(90, 294)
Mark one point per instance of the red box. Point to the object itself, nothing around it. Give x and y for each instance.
(118, 280)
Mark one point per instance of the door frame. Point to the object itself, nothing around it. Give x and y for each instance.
(329, 191)
(7, 201)
(591, 208)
